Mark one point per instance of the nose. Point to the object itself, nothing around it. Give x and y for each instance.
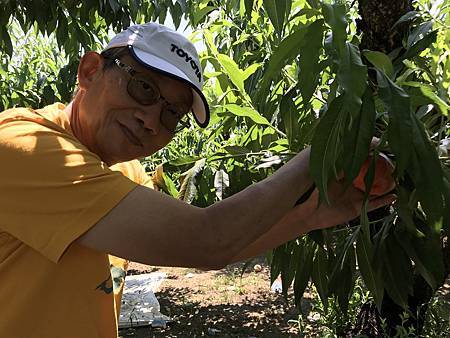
(150, 118)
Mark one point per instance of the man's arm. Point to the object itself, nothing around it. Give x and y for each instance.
(345, 204)
(153, 228)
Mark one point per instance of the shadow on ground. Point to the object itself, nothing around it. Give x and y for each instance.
(269, 315)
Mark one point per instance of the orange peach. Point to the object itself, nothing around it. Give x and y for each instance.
(383, 181)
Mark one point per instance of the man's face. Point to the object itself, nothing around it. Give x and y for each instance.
(114, 125)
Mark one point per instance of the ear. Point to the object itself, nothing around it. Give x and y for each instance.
(89, 69)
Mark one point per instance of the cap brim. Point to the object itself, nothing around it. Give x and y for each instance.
(200, 108)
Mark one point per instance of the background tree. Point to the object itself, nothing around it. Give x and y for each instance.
(282, 75)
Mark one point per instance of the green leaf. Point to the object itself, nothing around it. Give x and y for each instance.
(335, 16)
(164, 182)
(342, 279)
(427, 255)
(199, 14)
(233, 72)
(357, 141)
(288, 49)
(276, 10)
(380, 61)
(221, 183)
(290, 116)
(397, 271)
(429, 92)
(250, 70)
(248, 8)
(303, 271)
(418, 47)
(406, 17)
(5, 40)
(188, 189)
(177, 13)
(115, 6)
(352, 76)
(325, 145)
(292, 252)
(309, 60)
(427, 174)
(320, 276)
(237, 150)
(184, 160)
(372, 278)
(247, 112)
(446, 188)
(400, 128)
(419, 33)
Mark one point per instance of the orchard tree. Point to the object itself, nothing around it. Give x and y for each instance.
(283, 75)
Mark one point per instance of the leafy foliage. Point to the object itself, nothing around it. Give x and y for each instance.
(281, 76)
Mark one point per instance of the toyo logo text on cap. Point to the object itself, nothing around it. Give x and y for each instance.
(181, 53)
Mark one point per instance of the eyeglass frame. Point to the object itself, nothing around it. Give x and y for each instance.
(181, 124)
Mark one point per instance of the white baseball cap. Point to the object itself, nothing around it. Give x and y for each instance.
(164, 50)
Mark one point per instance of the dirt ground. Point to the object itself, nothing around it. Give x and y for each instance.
(224, 304)
(220, 303)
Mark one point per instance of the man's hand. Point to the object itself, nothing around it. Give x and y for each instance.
(345, 205)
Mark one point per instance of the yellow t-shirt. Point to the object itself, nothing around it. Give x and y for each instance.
(52, 190)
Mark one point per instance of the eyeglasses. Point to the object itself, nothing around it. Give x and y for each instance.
(147, 93)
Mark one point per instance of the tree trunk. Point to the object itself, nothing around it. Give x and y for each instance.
(377, 19)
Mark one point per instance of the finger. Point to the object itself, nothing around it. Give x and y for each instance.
(374, 143)
(381, 202)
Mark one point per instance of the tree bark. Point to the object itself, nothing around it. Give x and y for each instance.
(377, 19)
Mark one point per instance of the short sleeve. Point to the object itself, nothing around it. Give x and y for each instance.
(53, 189)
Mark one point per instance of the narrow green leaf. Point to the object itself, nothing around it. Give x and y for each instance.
(201, 13)
(248, 8)
(446, 220)
(292, 252)
(232, 70)
(250, 70)
(371, 277)
(6, 41)
(426, 172)
(419, 46)
(380, 61)
(276, 10)
(276, 262)
(309, 60)
(352, 76)
(406, 17)
(427, 255)
(164, 182)
(429, 92)
(357, 141)
(320, 276)
(400, 128)
(290, 116)
(246, 112)
(288, 49)
(303, 271)
(419, 33)
(397, 271)
(325, 145)
(237, 150)
(115, 6)
(335, 16)
(184, 160)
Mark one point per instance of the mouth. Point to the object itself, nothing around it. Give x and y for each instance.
(130, 136)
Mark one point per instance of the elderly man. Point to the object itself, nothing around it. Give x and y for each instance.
(72, 191)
